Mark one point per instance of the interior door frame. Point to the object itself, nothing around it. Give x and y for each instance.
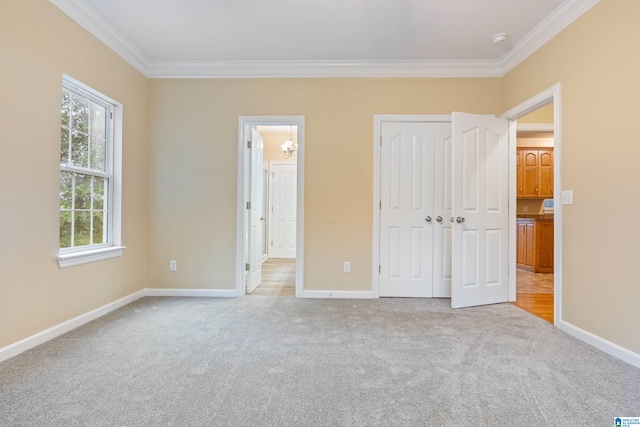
(244, 124)
(543, 98)
(378, 119)
(269, 224)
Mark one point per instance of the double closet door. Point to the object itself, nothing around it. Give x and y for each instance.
(444, 209)
(415, 210)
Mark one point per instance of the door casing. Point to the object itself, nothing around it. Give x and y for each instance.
(547, 96)
(244, 128)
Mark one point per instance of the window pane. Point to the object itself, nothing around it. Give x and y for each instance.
(65, 107)
(64, 146)
(79, 149)
(98, 228)
(80, 113)
(98, 193)
(66, 190)
(97, 154)
(83, 191)
(82, 228)
(65, 229)
(98, 121)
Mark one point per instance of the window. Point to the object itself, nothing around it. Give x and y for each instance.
(89, 174)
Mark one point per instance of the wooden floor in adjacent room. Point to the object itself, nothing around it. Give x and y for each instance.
(278, 278)
(534, 293)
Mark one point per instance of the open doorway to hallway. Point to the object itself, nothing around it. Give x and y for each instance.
(270, 215)
(535, 213)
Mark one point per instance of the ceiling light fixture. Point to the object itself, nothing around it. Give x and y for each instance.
(499, 38)
(288, 147)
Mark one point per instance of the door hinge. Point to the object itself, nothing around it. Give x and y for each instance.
(380, 204)
(381, 140)
(249, 144)
(272, 243)
(111, 114)
(247, 267)
(379, 269)
(248, 205)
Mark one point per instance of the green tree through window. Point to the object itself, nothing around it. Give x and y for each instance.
(85, 172)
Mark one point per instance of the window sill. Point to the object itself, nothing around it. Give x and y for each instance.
(85, 257)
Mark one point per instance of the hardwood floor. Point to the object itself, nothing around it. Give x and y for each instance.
(278, 278)
(534, 293)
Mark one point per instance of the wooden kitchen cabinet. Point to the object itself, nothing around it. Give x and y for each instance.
(534, 173)
(534, 247)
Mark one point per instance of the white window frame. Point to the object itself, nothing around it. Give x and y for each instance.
(68, 257)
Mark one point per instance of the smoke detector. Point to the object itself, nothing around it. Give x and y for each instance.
(499, 38)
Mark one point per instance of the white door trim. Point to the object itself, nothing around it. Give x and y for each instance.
(378, 119)
(543, 98)
(243, 123)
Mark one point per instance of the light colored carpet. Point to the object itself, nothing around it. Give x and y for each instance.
(289, 362)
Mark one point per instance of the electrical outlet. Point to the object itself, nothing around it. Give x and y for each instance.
(173, 265)
(525, 209)
(347, 267)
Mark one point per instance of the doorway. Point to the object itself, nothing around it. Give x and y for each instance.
(535, 213)
(267, 144)
(546, 290)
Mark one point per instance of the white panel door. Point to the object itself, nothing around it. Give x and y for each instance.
(283, 210)
(406, 211)
(442, 202)
(255, 217)
(480, 210)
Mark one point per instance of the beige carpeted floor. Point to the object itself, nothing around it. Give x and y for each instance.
(310, 362)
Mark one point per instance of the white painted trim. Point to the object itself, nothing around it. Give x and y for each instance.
(548, 28)
(543, 98)
(338, 294)
(210, 293)
(243, 122)
(601, 344)
(85, 15)
(323, 69)
(64, 327)
(92, 21)
(535, 127)
(378, 119)
(513, 209)
(71, 259)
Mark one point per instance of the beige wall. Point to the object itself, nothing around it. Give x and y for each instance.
(193, 161)
(541, 115)
(38, 43)
(272, 141)
(596, 60)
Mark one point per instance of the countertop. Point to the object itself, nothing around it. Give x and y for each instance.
(534, 216)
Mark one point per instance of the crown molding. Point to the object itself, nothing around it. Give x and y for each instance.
(327, 69)
(548, 28)
(93, 22)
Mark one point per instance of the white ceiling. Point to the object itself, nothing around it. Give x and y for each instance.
(282, 38)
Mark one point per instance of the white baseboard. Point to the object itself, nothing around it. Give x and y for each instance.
(158, 292)
(338, 294)
(600, 343)
(64, 327)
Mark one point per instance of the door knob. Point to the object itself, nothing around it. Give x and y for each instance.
(460, 220)
(439, 218)
(452, 219)
(428, 219)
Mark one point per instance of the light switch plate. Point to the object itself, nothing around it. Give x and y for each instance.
(567, 197)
